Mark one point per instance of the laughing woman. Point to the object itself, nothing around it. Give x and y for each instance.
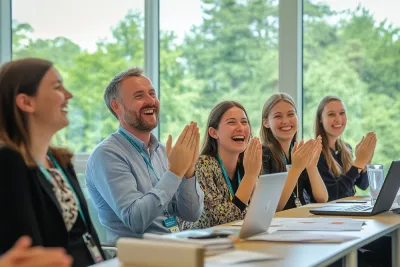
(278, 136)
(226, 170)
(39, 192)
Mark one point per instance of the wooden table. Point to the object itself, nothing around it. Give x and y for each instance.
(304, 255)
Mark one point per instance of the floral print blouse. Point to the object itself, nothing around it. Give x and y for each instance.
(218, 208)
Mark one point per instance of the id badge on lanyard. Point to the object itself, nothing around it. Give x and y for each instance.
(297, 201)
(172, 224)
(93, 249)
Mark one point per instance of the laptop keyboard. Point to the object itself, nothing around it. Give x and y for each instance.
(355, 208)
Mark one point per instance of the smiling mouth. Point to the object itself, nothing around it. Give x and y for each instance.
(238, 138)
(285, 129)
(149, 111)
(337, 126)
(64, 109)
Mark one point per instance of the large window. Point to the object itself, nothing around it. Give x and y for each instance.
(214, 51)
(89, 43)
(352, 50)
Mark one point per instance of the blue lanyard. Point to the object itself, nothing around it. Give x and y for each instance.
(227, 180)
(144, 156)
(50, 179)
(146, 160)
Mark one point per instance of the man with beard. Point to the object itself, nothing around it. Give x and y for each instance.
(136, 184)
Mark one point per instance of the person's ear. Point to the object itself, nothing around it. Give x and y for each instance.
(213, 133)
(265, 123)
(25, 103)
(115, 106)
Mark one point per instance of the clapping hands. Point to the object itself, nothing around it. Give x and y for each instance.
(253, 158)
(316, 152)
(365, 150)
(182, 157)
(306, 154)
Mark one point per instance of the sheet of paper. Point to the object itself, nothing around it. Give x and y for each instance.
(208, 243)
(240, 256)
(282, 220)
(303, 237)
(235, 230)
(317, 224)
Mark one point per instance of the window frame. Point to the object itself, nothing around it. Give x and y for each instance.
(290, 53)
(5, 31)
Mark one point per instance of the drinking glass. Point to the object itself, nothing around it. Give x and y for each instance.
(376, 178)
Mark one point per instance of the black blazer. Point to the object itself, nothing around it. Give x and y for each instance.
(343, 185)
(29, 206)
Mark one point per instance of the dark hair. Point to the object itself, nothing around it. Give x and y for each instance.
(268, 139)
(345, 154)
(210, 146)
(22, 76)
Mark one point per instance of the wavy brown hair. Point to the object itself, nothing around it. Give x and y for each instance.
(22, 76)
(340, 145)
(268, 139)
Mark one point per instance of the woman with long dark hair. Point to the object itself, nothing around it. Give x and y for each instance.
(228, 167)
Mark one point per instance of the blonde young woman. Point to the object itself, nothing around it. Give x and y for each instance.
(341, 173)
(338, 170)
(281, 153)
(228, 167)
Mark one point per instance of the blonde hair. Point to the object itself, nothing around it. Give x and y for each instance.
(340, 145)
(267, 137)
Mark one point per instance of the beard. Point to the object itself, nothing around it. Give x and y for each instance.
(136, 122)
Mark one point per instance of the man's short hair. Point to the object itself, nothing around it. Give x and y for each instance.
(112, 90)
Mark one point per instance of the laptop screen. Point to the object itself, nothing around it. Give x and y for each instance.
(389, 189)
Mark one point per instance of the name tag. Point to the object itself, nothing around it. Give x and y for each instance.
(93, 249)
(297, 202)
(172, 224)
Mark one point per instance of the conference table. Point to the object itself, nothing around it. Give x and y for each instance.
(317, 254)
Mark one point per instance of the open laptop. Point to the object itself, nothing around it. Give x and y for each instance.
(258, 217)
(263, 204)
(383, 203)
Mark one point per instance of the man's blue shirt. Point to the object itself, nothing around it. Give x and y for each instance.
(128, 196)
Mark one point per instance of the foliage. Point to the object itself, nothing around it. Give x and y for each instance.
(233, 54)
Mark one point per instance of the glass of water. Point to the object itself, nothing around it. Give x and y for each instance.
(375, 179)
